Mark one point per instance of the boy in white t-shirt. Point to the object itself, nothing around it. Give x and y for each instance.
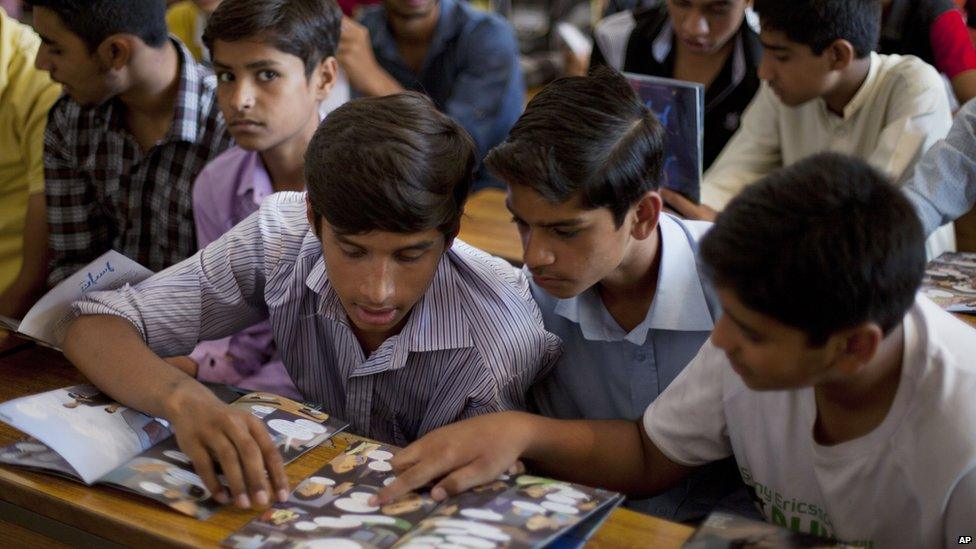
(846, 400)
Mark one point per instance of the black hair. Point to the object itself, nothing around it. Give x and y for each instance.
(393, 164)
(95, 20)
(307, 29)
(823, 245)
(818, 23)
(589, 136)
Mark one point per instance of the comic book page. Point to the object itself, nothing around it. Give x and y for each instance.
(165, 474)
(331, 508)
(680, 107)
(950, 281)
(85, 427)
(49, 318)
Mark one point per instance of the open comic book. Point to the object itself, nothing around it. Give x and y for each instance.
(950, 281)
(81, 433)
(331, 509)
(48, 319)
(727, 531)
(680, 107)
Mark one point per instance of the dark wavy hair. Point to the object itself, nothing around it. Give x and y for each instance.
(95, 20)
(393, 164)
(818, 23)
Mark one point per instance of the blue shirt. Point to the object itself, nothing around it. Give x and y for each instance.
(943, 186)
(473, 344)
(471, 70)
(607, 373)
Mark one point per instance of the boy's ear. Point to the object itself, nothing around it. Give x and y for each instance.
(647, 214)
(116, 51)
(324, 77)
(857, 346)
(841, 54)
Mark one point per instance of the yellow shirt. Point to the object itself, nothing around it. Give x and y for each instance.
(186, 22)
(26, 95)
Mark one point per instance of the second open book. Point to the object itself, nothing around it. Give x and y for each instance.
(80, 433)
(332, 509)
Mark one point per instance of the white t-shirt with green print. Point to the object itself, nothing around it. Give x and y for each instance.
(911, 482)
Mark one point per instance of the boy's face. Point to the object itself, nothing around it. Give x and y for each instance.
(410, 9)
(65, 56)
(793, 72)
(264, 95)
(380, 276)
(765, 353)
(705, 26)
(567, 248)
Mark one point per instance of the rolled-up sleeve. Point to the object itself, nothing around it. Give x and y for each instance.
(217, 292)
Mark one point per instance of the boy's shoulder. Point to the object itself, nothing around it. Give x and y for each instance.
(908, 74)
(222, 175)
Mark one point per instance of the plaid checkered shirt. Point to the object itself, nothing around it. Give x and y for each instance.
(104, 193)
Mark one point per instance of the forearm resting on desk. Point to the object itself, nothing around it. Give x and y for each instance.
(111, 353)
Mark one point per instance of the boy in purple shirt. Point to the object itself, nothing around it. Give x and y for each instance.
(275, 65)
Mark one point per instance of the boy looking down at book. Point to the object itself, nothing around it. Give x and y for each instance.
(826, 90)
(137, 124)
(275, 65)
(845, 397)
(380, 314)
(614, 276)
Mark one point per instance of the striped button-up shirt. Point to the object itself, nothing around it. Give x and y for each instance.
(473, 344)
(104, 193)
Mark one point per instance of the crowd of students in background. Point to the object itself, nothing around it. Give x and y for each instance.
(777, 355)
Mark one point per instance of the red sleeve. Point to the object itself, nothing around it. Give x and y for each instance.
(951, 44)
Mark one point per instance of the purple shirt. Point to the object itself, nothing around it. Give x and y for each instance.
(230, 188)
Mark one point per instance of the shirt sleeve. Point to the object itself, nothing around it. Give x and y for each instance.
(44, 94)
(205, 212)
(951, 45)
(753, 152)
(918, 116)
(943, 186)
(687, 421)
(480, 90)
(960, 511)
(78, 229)
(216, 293)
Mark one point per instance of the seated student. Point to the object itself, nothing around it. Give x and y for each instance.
(943, 186)
(26, 94)
(827, 91)
(122, 148)
(275, 65)
(935, 31)
(845, 397)
(378, 312)
(187, 20)
(615, 278)
(704, 41)
(467, 61)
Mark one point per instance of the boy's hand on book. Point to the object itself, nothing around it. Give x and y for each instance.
(462, 455)
(687, 208)
(208, 430)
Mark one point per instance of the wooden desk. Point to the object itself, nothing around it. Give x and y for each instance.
(66, 512)
(487, 224)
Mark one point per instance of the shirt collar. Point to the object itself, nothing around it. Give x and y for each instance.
(679, 301)
(436, 322)
(661, 47)
(865, 93)
(255, 179)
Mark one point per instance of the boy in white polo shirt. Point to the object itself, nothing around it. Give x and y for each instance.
(846, 399)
